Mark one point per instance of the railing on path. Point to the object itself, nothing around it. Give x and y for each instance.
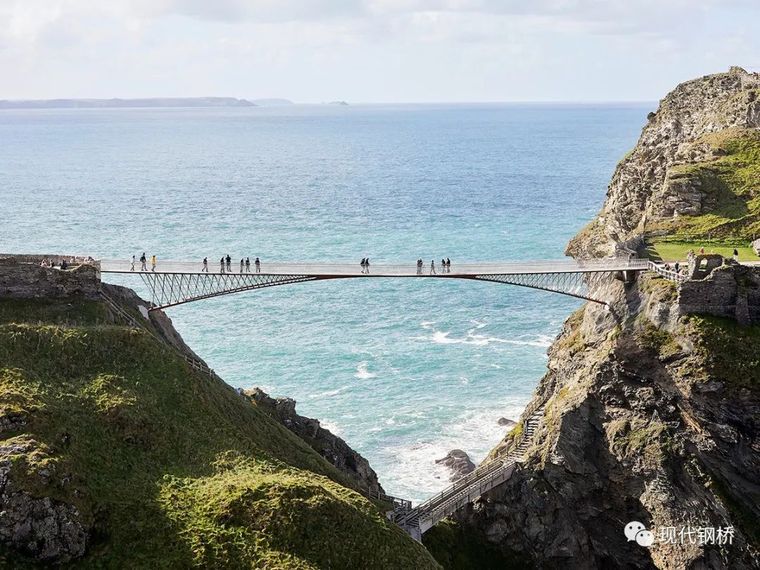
(469, 488)
(194, 363)
(669, 274)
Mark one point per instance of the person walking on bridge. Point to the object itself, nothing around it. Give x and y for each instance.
(257, 263)
(153, 262)
(419, 266)
(448, 265)
(221, 265)
(432, 267)
(143, 262)
(247, 264)
(229, 263)
(132, 267)
(242, 264)
(205, 265)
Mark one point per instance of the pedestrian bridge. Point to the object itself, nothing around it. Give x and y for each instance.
(173, 283)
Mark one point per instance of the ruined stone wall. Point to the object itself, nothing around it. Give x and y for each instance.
(731, 291)
(26, 279)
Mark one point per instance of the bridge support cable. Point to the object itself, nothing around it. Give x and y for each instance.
(170, 289)
(574, 284)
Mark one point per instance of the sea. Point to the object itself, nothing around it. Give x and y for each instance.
(404, 370)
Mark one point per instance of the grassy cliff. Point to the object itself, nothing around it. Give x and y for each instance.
(729, 183)
(159, 465)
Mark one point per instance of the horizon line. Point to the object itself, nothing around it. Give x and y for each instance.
(288, 102)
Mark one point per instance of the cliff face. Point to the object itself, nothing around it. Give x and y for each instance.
(649, 417)
(652, 407)
(333, 448)
(701, 129)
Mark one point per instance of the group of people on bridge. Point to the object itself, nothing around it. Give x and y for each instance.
(144, 262)
(445, 266)
(225, 264)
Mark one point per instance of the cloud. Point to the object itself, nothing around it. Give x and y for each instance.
(368, 49)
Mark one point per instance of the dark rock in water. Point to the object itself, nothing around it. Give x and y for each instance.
(458, 462)
(506, 422)
(327, 444)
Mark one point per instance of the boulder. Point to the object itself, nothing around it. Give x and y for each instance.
(506, 422)
(458, 462)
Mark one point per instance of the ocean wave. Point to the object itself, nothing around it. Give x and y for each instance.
(414, 473)
(329, 393)
(362, 373)
(332, 427)
(471, 338)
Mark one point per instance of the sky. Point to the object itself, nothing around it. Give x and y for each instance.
(371, 51)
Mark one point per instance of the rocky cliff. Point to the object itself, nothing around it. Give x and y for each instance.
(333, 448)
(694, 170)
(652, 406)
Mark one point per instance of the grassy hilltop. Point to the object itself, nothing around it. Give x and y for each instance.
(157, 465)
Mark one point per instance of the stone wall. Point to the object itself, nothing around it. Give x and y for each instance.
(22, 277)
(729, 291)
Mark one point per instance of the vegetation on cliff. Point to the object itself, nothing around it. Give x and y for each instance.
(693, 179)
(729, 184)
(124, 456)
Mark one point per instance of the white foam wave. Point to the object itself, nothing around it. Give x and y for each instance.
(362, 373)
(415, 473)
(329, 393)
(332, 427)
(471, 338)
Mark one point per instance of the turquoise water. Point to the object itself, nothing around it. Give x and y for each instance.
(404, 370)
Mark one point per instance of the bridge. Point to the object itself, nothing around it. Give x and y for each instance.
(174, 283)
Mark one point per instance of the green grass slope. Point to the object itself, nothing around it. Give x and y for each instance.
(731, 180)
(168, 467)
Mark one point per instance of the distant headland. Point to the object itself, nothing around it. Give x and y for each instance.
(158, 102)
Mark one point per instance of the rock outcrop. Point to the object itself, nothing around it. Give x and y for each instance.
(650, 186)
(458, 462)
(651, 407)
(324, 442)
(43, 528)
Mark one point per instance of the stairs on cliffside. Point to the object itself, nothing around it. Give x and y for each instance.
(469, 488)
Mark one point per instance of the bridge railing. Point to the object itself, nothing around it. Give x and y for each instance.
(668, 274)
(389, 269)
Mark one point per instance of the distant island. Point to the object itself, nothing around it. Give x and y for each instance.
(158, 102)
(273, 102)
(341, 103)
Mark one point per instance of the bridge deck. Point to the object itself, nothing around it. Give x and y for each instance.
(327, 270)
